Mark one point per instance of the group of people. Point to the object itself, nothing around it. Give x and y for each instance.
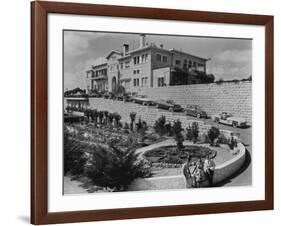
(200, 172)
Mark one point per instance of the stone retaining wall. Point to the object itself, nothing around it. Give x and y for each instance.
(235, 98)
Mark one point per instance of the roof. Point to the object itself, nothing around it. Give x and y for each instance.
(181, 52)
(98, 65)
(112, 52)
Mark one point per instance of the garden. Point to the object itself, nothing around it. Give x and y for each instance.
(106, 154)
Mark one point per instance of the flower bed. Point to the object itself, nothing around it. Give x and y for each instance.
(168, 156)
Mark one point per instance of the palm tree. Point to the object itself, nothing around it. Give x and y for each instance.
(115, 168)
(177, 129)
(105, 113)
(213, 133)
(94, 115)
(100, 115)
(133, 118)
(117, 118)
(159, 125)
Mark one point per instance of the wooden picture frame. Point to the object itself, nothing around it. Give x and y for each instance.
(39, 112)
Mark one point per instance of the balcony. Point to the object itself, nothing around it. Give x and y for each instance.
(100, 77)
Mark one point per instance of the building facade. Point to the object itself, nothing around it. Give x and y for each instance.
(147, 66)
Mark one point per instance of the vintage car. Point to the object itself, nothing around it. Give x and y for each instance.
(196, 111)
(168, 105)
(109, 95)
(227, 119)
(95, 93)
(142, 99)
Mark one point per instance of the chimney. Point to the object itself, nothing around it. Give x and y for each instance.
(142, 40)
(125, 49)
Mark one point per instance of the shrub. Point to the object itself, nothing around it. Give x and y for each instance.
(105, 113)
(126, 126)
(159, 125)
(115, 168)
(100, 116)
(189, 134)
(192, 132)
(213, 134)
(110, 118)
(141, 128)
(94, 115)
(222, 139)
(74, 158)
(169, 129)
(87, 113)
(117, 118)
(177, 129)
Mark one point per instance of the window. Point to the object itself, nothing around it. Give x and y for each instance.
(121, 65)
(194, 64)
(135, 72)
(136, 60)
(158, 57)
(189, 63)
(136, 82)
(165, 59)
(127, 64)
(142, 58)
(144, 81)
(160, 82)
(178, 62)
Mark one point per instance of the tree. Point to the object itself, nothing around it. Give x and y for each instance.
(159, 125)
(105, 113)
(110, 118)
(94, 115)
(213, 134)
(141, 128)
(133, 118)
(100, 115)
(74, 158)
(117, 118)
(87, 113)
(169, 129)
(115, 168)
(195, 131)
(177, 129)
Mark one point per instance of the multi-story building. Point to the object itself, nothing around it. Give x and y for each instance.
(147, 66)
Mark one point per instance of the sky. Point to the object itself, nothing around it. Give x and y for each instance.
(230, 58)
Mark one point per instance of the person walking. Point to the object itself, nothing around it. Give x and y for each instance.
(209, 168)
(199, 175)
(186, 173)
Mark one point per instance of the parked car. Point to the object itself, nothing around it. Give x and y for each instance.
(124, 97)
(142, 99)
(169, 105)
(195, 110)
(227, 119)
(94, 93)
(109, 95)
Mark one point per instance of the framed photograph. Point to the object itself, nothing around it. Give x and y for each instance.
(147, 112)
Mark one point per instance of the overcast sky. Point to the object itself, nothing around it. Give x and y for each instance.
(230, 58)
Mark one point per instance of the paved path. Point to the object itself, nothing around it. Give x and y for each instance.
(72, 186)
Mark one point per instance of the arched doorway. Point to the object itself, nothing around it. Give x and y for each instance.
(114, 84)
